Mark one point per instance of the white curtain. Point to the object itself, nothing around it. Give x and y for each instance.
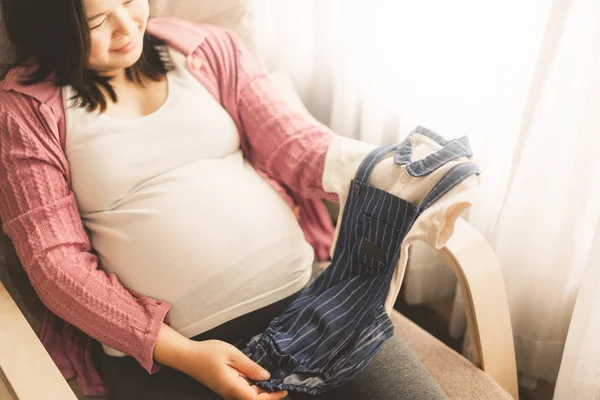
(522, 79)
(580, 368)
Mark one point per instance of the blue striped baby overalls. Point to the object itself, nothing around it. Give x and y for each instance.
(335, 326)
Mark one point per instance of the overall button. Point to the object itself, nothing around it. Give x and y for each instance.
(197, 63)
(356, 189)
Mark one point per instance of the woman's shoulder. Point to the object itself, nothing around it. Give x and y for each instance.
(16, 104)
(28, 105)
(197, 29)
(186, 36)
(14, 92)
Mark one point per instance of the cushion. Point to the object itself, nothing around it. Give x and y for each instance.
(285, 86)
(7, 54)
(228, 13)
(458, 378)
(232, 14)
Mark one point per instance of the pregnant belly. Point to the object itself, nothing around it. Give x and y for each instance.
(213, 232)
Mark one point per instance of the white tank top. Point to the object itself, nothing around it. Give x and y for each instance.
(177, 214)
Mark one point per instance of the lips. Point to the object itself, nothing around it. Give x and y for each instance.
(128, 47)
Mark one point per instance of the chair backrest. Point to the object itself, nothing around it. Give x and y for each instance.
(16, 281)
(7, 54)
(232, 14)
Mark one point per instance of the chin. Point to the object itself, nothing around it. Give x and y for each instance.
(128, 60)
(132, 60)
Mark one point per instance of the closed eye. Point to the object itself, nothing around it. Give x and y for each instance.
(99, 25)
(104, 20)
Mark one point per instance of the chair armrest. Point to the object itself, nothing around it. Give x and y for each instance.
(25, 367)
(488, 320)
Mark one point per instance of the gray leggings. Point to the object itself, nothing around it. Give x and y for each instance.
(394, 373)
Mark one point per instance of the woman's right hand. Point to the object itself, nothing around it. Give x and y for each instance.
(227, 371)
(218, 365)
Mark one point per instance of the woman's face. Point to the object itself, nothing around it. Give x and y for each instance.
(117, 30)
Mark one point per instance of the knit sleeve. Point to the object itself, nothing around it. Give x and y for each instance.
(287, 144)
(40, 215)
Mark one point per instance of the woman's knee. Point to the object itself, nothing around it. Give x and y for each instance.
(394, 373)
(404, 375)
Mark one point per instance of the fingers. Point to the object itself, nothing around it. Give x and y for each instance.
(241, 390)
(263, 394)
(248, 367)
(256, 389)
(252, 386)
(272, 396)
(244, 391)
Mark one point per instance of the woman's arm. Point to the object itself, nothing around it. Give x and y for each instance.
(218, 365)
(290, 146)
(40, 214)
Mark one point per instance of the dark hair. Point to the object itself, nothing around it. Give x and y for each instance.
(56, 33)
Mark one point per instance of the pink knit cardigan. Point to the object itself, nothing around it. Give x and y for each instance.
(40, 214)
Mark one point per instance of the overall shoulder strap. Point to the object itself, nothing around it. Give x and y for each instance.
(453, 177)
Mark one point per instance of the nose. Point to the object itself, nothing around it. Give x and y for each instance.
(125, 25)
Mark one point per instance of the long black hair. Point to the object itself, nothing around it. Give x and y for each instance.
(56, 33)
